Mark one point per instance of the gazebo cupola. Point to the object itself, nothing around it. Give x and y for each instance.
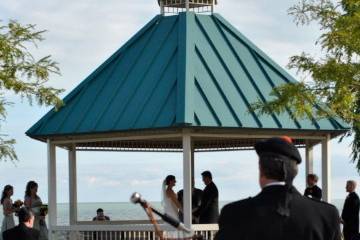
(176, 6)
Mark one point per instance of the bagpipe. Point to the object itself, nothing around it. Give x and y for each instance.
(149, 210)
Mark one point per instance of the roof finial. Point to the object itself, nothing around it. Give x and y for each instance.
(176, 6)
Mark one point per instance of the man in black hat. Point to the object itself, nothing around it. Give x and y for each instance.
(279, 211)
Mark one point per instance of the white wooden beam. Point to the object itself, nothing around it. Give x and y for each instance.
(187, 180)
(326, 168)
(72, 186)
(120, 138)
(52, 203)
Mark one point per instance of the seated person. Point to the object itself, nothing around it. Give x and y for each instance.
(25, 230)
(100, 216)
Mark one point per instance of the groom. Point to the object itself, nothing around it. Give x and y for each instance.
(208, 212)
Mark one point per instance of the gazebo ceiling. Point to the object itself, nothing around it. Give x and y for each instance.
(183, 71)
(170, 140)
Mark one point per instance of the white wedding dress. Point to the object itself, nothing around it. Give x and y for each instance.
(171, 210)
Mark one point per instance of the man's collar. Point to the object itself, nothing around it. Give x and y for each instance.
(274, 184)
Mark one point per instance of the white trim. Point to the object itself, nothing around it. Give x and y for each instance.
(124, 138)
(187, 180)
(326, 169)
(179, 135)
(72, 186)
(254, 136)
(130, 227)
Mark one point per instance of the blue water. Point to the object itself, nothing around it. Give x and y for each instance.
(121, 211)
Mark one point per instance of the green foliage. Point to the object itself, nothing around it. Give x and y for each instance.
(333, 81)
(22, 74)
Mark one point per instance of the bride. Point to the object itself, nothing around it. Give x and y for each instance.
(170, 202)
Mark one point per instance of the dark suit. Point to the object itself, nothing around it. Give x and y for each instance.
(196, 202)
(21, 232)
(257, 218)
(208, 212)
(350, 215)
(313, 192)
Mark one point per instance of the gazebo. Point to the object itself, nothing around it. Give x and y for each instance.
(183, 83)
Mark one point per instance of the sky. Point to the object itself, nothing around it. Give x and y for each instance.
(84, 33)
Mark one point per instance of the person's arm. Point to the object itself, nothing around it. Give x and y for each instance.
(174, 199)
(27, 202)
(306, 194)
(8, 208)
(207, 200)
(317, 194)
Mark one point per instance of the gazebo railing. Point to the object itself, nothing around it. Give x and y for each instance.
(121, 232)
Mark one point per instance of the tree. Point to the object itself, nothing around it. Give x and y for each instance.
(22, 74)
(331, 82)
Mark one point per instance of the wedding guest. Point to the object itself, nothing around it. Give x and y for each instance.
(100, 216)
(33, 201)
(208, 212)
(279, 211)
(313, 191)
(8, 210)
(24, 231)
(350, 212)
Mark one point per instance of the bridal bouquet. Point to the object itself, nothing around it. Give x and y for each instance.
(18, 204)
(44, 210)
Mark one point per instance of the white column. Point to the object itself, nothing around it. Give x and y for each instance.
(51, 148)
(187, 4)
(187, 180)
(72, 186)
(309, 160)
(192, 165)
(326, 168)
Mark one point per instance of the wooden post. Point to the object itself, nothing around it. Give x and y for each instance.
(72, 186)
(192, 165)
(51, 149)
(186, 140)
(309, 160)
(326, 168)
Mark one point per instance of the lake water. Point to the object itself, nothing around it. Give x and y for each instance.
(121, 210)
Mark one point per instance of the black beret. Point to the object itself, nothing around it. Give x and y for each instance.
(279, 145)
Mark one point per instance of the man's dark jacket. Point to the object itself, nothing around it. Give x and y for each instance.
(208, 211)
(21, 232)
(350, 216)
(257, 218)
(313, 192)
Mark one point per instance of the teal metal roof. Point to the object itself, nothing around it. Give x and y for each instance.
(182, 70)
